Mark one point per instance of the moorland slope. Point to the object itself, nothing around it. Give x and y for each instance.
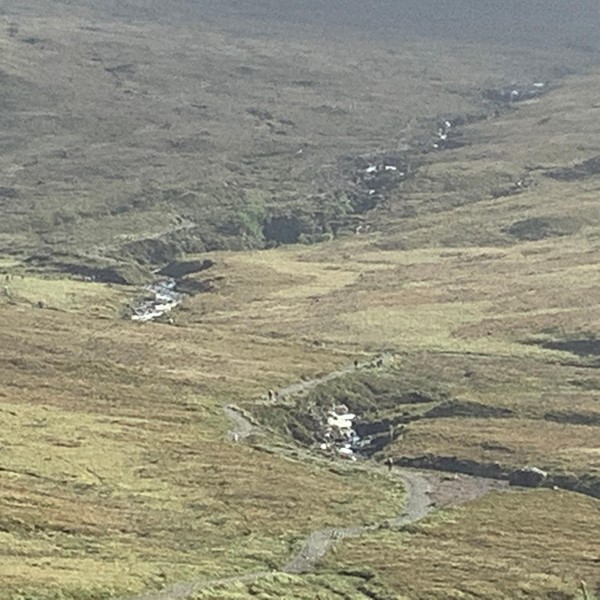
(138, 134)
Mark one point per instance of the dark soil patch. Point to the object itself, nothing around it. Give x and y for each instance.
(457, 408)
(582, 347)
(585, 384)
(453, 464)
(573, 418)
(180, 268)
(8, 192)
(583, 170)
(284, 229)
(539, 228)
(584, 484)
(197, 286)
(121, 274)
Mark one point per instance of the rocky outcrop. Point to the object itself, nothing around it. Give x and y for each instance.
(528, 477)
(516, 93)
(381, 426)
(454, 464)
(180, 268)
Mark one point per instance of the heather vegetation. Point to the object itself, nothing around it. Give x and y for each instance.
(392, 214)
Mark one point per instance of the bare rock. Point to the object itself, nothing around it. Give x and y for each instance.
(528, 477)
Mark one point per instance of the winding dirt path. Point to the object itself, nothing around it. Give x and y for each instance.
(304, 386)
(424, 491)
(318, 542)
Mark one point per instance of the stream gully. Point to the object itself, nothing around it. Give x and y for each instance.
(165, 299)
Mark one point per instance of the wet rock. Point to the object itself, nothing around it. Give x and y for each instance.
(381, 426)
(527, 477)
(374, 444)
(165, 298)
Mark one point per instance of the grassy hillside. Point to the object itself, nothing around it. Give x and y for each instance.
(133, 135)
(136, 131)
(468, 552)
(117, 473)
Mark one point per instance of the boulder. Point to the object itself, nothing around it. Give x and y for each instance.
(528, 477)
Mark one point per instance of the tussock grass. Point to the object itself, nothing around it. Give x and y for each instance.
(117, 473)
(479, 549)
(459, 553)
(513, 442)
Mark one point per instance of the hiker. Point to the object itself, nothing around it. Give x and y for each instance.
(390, 463)
(272, 396)
(355, 363)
